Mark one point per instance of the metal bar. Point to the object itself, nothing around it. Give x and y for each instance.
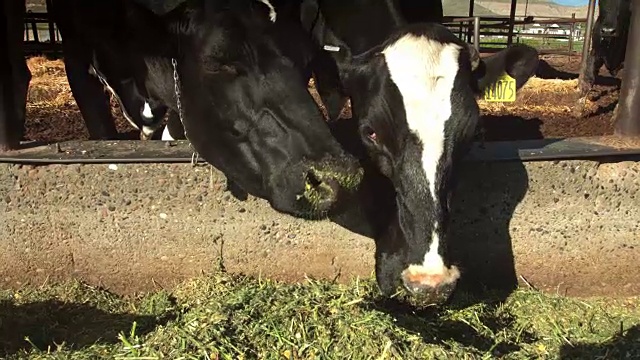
(476, 32)
(155, 151)
(512, 18)
(627, 117)
(571, 32)
(586, 47)
(52, 29)
(34, 28)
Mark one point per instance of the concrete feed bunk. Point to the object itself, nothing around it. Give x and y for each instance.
(568, 226)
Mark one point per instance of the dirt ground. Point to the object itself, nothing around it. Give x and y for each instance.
(543, 109)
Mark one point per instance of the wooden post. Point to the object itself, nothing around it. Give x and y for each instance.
(586, 47)
(627, 116)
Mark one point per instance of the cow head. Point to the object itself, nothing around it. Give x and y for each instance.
(613, 15)
(245, 107)
(414, 97)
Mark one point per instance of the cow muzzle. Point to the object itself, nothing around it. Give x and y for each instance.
(325, 181)
(433, 284)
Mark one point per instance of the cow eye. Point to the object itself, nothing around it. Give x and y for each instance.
(370, 134)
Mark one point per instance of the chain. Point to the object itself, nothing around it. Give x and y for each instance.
(176, 88)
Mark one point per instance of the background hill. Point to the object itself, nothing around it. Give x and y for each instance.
(502, 7)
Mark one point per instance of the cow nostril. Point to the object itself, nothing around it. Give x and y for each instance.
(312, 179)
(320, 192)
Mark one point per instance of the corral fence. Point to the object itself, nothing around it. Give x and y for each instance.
(550, 35)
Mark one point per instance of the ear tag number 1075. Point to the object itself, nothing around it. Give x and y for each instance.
(503, 90)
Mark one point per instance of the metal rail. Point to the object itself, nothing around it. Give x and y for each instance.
(154, 151)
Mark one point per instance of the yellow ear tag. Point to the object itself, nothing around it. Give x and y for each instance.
(503, 90)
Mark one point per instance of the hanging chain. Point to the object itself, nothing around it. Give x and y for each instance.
(176, 89)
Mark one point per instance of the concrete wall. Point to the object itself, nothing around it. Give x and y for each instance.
(567, 226)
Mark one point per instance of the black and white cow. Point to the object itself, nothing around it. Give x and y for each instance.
(413, 90)
(608, 41)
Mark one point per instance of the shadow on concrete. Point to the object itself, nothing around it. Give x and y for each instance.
(625, 345)
(482, 206)
(486, 197)
(52, 322)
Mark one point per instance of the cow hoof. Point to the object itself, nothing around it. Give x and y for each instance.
(581, 106)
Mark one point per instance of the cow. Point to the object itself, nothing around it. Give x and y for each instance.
(360, 23)
(608, 41)
(413, 90)
(96, 60)
(400, 11)
(234, 73)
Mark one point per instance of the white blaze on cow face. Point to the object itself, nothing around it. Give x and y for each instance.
(424, 71)
(272, 10)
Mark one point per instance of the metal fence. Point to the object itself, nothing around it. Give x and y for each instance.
(41, 35)
(561, 36)
(550, 35)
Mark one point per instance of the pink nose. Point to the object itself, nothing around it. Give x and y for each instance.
(418, 279)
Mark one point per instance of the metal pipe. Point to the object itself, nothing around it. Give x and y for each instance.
(586, 47)
(627, 116)
(512, 18)
(476, 32)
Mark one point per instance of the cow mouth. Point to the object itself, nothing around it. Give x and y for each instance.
(324, 182)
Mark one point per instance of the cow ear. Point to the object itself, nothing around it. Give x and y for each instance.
(518, 61)
(359, 69)
(474, 57)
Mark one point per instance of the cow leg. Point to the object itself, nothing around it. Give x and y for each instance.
(15, 75)
(594, 63)
(88, 91)
(328, 85)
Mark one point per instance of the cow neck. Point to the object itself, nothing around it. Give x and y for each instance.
(176, 89)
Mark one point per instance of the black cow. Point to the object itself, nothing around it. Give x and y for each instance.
(413, 90)
(608, 40)
(242, 98)
(97, 57)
